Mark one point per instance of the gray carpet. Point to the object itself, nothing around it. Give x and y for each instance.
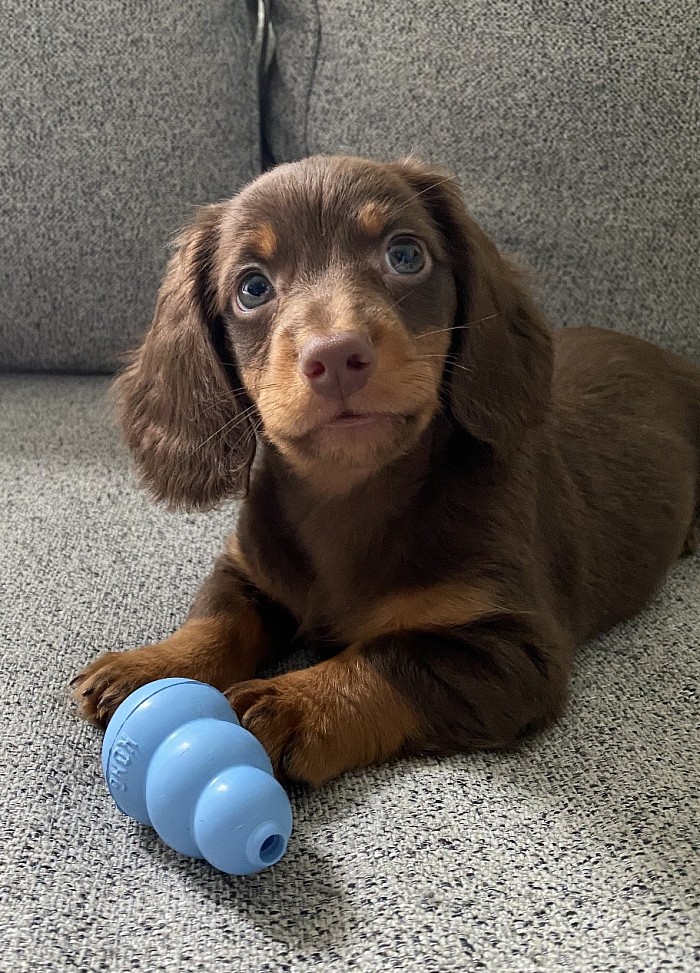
(579, 852)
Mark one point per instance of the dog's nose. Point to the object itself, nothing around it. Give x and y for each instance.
(337, 365)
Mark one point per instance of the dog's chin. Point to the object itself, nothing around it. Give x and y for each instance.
(357, 440)
(350, 447)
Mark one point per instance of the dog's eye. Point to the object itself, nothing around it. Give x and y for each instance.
(254, 290)
(405, 256)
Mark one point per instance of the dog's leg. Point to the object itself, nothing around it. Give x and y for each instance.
(404, 693)
(230, 631)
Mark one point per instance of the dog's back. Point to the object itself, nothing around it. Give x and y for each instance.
(627, 428)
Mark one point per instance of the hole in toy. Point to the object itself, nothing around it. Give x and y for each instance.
(271, 849)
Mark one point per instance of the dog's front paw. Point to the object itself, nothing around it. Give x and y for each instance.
(208, 649)
(297, 724)
(106, 682)
(319, 722)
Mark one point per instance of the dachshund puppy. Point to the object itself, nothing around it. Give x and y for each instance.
(440, 493)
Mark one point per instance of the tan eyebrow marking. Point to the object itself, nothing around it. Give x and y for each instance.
(372, 218)
(264, 239)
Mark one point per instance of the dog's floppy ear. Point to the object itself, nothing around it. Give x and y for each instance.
(179, 402)
(499, 367)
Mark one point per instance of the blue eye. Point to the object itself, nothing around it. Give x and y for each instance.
(405, 256)
(254, 290)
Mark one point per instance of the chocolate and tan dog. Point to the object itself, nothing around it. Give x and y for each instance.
(438, 489)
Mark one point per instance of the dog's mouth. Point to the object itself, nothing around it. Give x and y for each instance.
(348, 430)
(359, 420)
(341, 449)
(356, 429)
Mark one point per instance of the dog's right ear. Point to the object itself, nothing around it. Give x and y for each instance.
(179, 401)
(499, 372)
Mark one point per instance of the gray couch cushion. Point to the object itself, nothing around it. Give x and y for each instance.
(572, 128)
(115, 118)
(576, 852)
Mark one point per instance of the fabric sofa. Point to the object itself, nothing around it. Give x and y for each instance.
(573, 130)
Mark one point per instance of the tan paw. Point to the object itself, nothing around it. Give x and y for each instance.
(298, 729)
(319, 722)
(107, 681)
(206, 649)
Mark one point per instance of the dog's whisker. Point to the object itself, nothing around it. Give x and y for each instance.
(449, 361)
(245, 442)
(222, 397)
(400, 300)
(216, 401)
(459, 327)
(227, 426)
(423, 192)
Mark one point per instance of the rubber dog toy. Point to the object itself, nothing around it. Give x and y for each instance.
(176, 758)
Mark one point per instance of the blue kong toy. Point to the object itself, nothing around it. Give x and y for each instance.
(176, 758)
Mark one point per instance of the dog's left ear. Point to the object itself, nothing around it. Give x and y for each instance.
(179, 400)
(499, 368)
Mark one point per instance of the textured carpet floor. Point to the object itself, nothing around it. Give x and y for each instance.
(579, 852)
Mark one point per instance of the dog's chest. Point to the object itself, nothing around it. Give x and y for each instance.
(329, 565)
(350, 564)
(333, 563)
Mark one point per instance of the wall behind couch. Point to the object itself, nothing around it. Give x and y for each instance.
(116, 118)
(573, 129)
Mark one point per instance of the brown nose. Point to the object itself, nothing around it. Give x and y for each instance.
(337, 365)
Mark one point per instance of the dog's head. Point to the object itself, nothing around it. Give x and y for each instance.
(333, 308)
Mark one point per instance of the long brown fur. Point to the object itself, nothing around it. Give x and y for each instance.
(523, 489)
